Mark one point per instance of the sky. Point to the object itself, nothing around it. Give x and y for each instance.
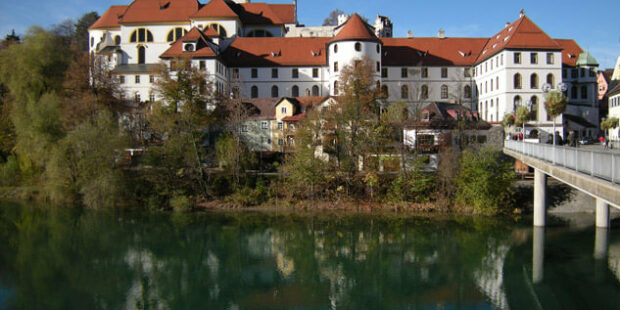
(594, 25)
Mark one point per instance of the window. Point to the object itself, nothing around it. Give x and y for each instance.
(583, 72)
(404, 92)
(486, 88)
(264, 125)
(315, 90)
(274, 91)
(592, 73)
(534, 108)
(425, 116)
(141, 35)
(378, 66)
(152, 97)
(534, 80)
(384, 72)
(202, 65)
(295, 91)
(254, 92)
(564, 74)
(378, 49)
(444, 91)
(218, 28)
(117, 40)
(175, 34)
(497, 82)
(358, 46)
(315, 72)
(138, 97)
(280, 125)
(137, 79)
(254, 73)
(467, 91)
(517, 81)
(295, 73)
(533, 58)
(235, 73)
(280, 141)
(467, 72)
(573, 92)
(384, 93)
(141, 54)
(424, 92)
(151, 79)
(444, 73)
(516, 102)
(121, 79)
(335, 87)
(584, 92)
(403, 72)
(551, 79)
(424, 72)
(517, 58)
(550, 58)
(335, 48)
(244, 128)
(574, 73)
(335, 66)
(274, 73)
(260, 33)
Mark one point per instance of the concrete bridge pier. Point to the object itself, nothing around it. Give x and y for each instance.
(602, 213)
(540, 189)
(600, 243)
(538, 254)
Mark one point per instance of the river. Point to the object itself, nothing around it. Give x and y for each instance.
(67, 258)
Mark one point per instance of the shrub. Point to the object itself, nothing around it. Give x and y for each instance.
(180, 203)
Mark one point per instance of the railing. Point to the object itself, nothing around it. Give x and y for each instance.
(600, 164)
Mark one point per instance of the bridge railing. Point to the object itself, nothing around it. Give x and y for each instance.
(597, 163)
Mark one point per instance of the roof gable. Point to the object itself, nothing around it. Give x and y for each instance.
(203, 49)
(111, 17)
(521, 34)
(570, 51)
(141, 11)
(215, 8)
(355, 29)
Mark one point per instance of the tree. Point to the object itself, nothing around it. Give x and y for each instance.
(80, 35)
(332, 18)
(555, 104)
(608, 124)
(178, 124)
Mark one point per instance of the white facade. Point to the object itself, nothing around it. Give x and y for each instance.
(614, 111)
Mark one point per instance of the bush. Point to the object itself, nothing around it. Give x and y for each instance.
(10, 172)
(180, 203)
(485, 181)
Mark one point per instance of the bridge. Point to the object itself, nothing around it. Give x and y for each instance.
(595, 172)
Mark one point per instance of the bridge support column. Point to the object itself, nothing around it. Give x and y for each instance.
(540, 189)
(600, 243)
(538, 254)
(602, 213)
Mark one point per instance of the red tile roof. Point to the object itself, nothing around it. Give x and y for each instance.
(570, 51)
(215, 8)
(203, 50)
(267, 14)
(355, 29)
(141, 11)
(295, 118)
(110, 18)
(211, 32)
(522, 33)
(279, 51)
(431, 51)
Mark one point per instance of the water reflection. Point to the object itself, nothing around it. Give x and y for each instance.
(67, 259)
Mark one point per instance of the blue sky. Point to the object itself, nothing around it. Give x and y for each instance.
(595, 24)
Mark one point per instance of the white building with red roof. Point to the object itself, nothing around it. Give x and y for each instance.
(244, 48)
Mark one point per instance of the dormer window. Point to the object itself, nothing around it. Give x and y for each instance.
(425, 116)
(189, 47)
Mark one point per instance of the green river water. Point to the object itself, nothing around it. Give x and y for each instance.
(61, 258)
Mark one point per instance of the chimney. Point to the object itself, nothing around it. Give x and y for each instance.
(507, 24)
(522, 13)
(409, 34)
(441, 34)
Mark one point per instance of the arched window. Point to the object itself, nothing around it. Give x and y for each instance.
(117, 40)
(141, 54)
(534, 108)
(467, 91)
(218, 28)
(274, 91)
(404, 92)
(424, 92)
(551, 79)
(295, 91)
(175, 34)
(517, 81)
(141, 35)
(384, 91)
(534, 80)
(315, 90)
(335, 48)
(335, 87)
(260, 33)
(254, 92)
(378, 49)
(516, 102)
(444, 91)
(358, 46)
